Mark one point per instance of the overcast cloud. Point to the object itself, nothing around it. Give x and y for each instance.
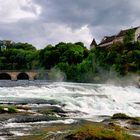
(43, 22)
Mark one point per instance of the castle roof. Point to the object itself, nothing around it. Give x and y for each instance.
(93, 43)
(107, 39)
(122, 33)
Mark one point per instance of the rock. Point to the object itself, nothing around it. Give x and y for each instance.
(52, 110)
(23, 107)
(36, 118)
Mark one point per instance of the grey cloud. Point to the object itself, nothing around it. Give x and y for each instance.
(103, 17)
(91, 12)
(40, 33)
(24, 31)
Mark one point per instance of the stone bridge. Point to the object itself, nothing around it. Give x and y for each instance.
(22, 75)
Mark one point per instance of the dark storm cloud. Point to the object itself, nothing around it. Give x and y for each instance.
(66, 20)
(92, 12)
(104, 17)
(24, 31)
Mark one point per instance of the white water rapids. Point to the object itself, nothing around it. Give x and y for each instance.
(86, 100)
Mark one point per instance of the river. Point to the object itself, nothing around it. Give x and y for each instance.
(93, 102)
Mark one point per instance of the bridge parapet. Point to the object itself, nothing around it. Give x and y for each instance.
(32, 74)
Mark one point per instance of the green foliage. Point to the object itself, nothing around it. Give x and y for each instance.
(75, 60)
(2, 109)
(120, 116)
(20, 57)
(123, 58)
(12, 109)
(24, 46)
(98, 133)
(63, 53)
(129, 37)
(8, 109)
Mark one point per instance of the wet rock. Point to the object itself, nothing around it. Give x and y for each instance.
(111, 124)
(51, 110)
(135, 122)
(53, 102)
(36, 118)
(23, 107)
(25, 101)
(89, 132)
(131, 124)
(6, 133)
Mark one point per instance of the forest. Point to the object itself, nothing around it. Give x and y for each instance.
(74, 59)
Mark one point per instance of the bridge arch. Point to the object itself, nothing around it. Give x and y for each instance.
(22, 76)
(5, 76)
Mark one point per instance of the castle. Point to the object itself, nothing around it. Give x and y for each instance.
(109, 40)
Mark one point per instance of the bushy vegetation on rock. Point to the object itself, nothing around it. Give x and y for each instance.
(120, 116)
(8, 109)
(98, 133)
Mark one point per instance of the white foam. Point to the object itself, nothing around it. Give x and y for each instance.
(90, 99)
(17, 133)
(16, 125)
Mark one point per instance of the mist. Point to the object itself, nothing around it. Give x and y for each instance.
(56, 74)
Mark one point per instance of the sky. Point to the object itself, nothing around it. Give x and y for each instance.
(43, 22)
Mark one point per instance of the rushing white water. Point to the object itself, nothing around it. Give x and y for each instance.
(86, 100)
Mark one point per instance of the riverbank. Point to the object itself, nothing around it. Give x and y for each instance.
(40, 110)
(78, 132)
(52, 122)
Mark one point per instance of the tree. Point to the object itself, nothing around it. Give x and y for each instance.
(24, 46)
(129, 36)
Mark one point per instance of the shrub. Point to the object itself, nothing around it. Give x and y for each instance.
(120, 116)
(1, 109)
(12, 109)
(98, 133)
